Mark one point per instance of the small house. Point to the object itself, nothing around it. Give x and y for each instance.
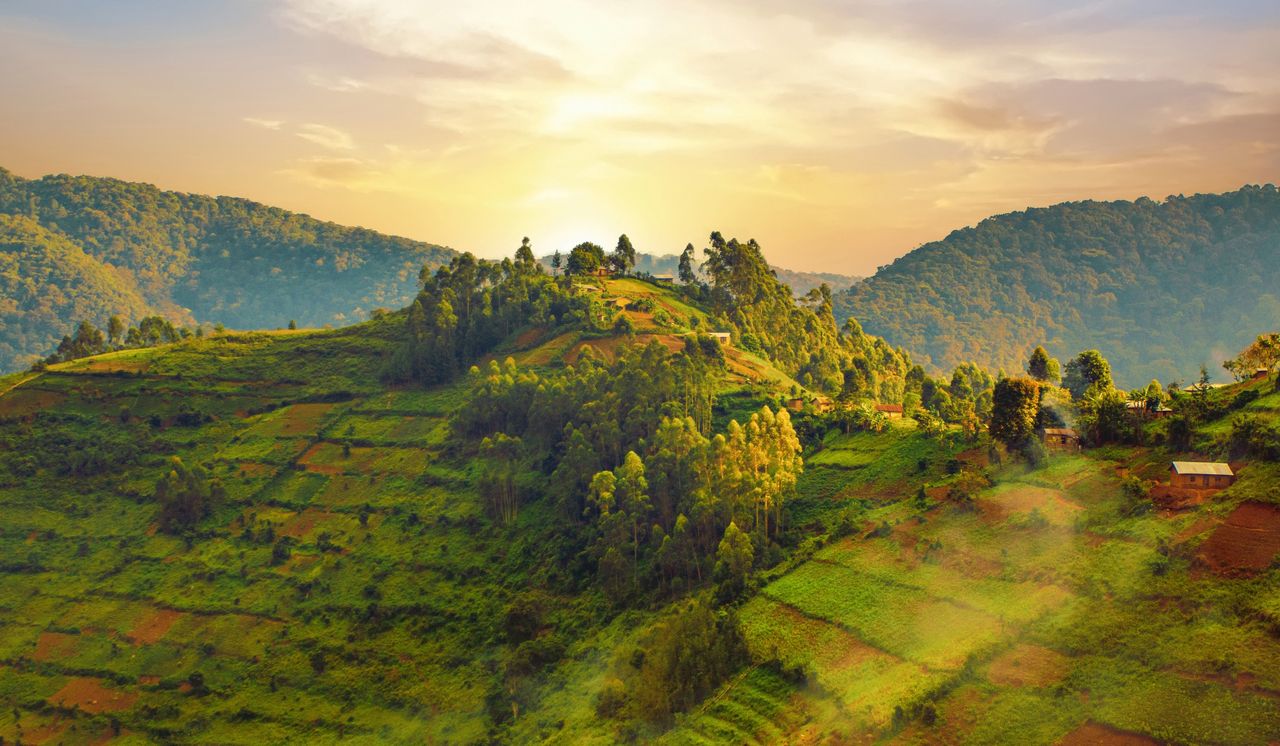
(1161, 412)
(824, 404)
(1201, 475)
(795, 404)
(603, 271)
(1260, 373)
(721, 337)
(891, 411)
(665, 279)
(1061, 437)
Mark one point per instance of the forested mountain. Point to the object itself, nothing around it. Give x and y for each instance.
(799, 282)
(1158, 287)
(85, 248)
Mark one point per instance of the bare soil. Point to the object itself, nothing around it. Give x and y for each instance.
(1028, 665)
(153, 626)
(92, 696)
(54, 646)
(1247, 543)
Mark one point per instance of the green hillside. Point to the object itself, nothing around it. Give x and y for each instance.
(190, 258)
(45, 280)
(612, 530)
(1159, 287)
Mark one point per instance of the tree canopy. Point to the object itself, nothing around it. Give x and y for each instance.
(84, 248)
(1155, 286)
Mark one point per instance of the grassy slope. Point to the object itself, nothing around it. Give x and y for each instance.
(1034, 614)
(383, 623)
(398, 611)
(1018, 621)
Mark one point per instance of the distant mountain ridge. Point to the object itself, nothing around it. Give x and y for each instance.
(799, 282)
(79, 247)
(1158, 287)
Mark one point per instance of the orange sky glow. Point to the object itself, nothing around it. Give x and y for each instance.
(840, 135)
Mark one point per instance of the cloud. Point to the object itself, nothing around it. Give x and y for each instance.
(270, 124)
(326, 137)
(350, 173)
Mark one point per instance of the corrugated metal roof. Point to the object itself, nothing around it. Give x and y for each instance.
(1060, 431)
(888, 407)
(1203, 468)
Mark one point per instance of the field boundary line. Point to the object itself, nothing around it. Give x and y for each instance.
(20, 382)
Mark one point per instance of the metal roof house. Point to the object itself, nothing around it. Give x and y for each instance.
(892, 411)
(1061, 437)
(1201, 474)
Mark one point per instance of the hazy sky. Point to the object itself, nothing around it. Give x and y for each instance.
(838, 134)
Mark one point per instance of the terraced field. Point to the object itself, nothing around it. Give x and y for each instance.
(111, 627)
(1038, 614)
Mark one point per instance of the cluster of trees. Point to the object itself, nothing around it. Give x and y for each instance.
(681, 660)
(587, 257)
(467, 307)
(90, 340)
(801, 337)
(1153, 284)
(1050, 395)
(627, 453)
(1085, 395)
(1262, 354)
(186, 494)
(82, 247)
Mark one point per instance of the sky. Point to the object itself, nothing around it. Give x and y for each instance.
(838, 134)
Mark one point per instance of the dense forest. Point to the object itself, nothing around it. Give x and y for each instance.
(1160, 288)
(132, 249)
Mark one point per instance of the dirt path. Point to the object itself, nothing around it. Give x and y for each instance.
(20, 382)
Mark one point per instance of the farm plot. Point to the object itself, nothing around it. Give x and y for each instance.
(753, 708)
(392, 429)
(867, 681)
(1247, 543)
(901, 620)
(332, 458)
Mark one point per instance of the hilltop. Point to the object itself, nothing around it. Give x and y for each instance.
(799, 282)
(85, 248)
(1159, 287)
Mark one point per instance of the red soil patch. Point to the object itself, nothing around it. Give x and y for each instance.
(1169, 497)
(305, 460)
(529, 337)
(52, 646)
(301, 524)
(92, 697)
(1028, 665)
(303, 419)
(253, 469)
(1246, 543)
(28, 401)
(148, 680)
(1094, 734)
(114, 366)
(152, 627)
